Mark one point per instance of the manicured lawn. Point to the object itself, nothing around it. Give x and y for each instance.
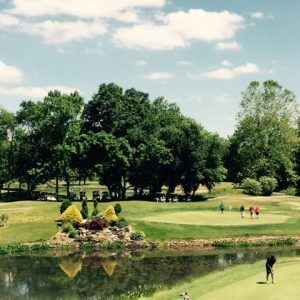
(33, 220)
(214, 218)
(242, 282)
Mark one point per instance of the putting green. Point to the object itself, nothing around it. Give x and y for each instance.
(242, 282)
(214, 218)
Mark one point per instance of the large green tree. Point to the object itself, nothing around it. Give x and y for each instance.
(263, 143)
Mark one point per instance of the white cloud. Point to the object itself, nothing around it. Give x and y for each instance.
(10, 73)
(119, 9)
(34, 92)
(226, 73)
(226, 63)
(159, 76)
(257, 15)
(8, 20)
(55, 32)
(232, 46)
(184, 63)
(141, 63)
(178, 29)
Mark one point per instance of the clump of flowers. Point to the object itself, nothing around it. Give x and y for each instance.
(95, 224)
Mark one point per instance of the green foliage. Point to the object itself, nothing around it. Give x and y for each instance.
(95, 212)
(73, 234)
(122, 223)
(137, 236)
(84, 210)
(251, 186)
(118, 208)
(64, 205)
(67, 227)
(291, 191)
(22, 248)
(247, 244)
(268, 185)
(264, 142)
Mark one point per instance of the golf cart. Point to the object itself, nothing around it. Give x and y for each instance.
(96, 196)
(172, 197)
(47, 197)
(105, 196)
(187, 198)
(82, 195)
(160, 197)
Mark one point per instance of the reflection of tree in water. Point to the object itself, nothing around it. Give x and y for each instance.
(24, 277)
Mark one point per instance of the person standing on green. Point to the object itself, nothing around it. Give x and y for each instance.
(222, 207)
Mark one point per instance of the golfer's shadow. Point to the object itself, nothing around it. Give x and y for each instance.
(261, 282)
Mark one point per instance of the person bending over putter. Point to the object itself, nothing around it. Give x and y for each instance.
(271, 260)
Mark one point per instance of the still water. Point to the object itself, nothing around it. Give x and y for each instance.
(97, 275)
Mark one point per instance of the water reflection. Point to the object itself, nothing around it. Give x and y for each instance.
(106, 276)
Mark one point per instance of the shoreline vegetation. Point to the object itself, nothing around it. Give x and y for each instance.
(179, 245)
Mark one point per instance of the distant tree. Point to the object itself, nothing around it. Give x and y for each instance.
(264, 141)
(7, 147)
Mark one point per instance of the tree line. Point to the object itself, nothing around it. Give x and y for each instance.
(125, 140)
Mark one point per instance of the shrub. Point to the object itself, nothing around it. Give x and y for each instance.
(251, 186)
(95, 224)
(291, 191)
(137, 236)
(268, 185)
(67, 227)
(110, 215)
(64, 205)
(118, 208)
(72, 215)
(85, 209)
(122, 223)
(73, 234)
(100, 216)
(95, 212)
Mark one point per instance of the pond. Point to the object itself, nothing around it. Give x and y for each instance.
(95, 275)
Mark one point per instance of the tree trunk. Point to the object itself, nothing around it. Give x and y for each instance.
(56, 187)
(1, 188)
(68, 188)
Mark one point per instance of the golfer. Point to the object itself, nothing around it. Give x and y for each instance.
(222, 207)
(242, 210)
(271, 260)
(251, 209)
(256, 209)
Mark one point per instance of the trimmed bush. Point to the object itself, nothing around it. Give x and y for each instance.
(72, 215)
(122, 223)
(251, 186)
(268, 185)
(95, 224)
(73, 234)
(85, 209)
(118, 208)
(67, 227)
(110, 215)
(64, 205)
(95, 212)
(137, 236)
(291, 191)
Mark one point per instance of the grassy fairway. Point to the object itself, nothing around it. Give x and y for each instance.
(33, 220)
(214, 218)
(242, 282)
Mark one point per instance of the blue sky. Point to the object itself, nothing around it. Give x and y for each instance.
(200, 54)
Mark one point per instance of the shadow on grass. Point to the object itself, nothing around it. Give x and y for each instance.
(261, 282)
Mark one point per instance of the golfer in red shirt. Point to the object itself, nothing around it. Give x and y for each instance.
(256, 209)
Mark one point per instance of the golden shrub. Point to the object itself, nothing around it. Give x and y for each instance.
(110, 214)
(72, 215)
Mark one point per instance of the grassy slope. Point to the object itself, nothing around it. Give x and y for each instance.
(31, 221)
(241, 282)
